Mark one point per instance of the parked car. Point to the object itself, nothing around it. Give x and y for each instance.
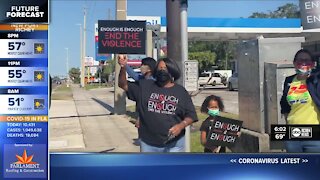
(211, 78)
(233, 82)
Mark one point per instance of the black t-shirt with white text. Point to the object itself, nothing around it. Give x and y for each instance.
(160, 109)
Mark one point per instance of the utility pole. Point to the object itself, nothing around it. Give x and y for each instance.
(177, 40)
(81, 53)
(119, 95)
(84, 48)
(149, 44)
(109, 14)
(67, 64)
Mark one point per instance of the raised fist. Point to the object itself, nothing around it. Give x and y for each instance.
(122, 60)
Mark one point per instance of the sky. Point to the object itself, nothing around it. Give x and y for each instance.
(66, 14)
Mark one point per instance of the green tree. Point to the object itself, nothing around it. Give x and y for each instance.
(206, 59)
(108, 69)
(74, 74)
(55, 79)
(288, 10)
(223, 50)
(198, 46)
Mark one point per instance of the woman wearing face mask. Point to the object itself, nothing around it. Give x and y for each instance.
(300, 100)
(212, 106)
(165, 108)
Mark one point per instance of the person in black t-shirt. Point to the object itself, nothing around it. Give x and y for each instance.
(212, 106)
(165, 108)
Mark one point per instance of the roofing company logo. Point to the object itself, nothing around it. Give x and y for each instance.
(24, 162)
(38, 48)
(25, 159)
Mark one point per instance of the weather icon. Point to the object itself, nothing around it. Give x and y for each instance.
(38, 48)
(38, 104)
(38, 76)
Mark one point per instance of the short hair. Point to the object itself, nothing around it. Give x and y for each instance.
(149, 62)
(172, 67)
(304, 51)
(205, 104)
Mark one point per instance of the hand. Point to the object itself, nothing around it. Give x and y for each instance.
(137, 124)
(216, 149)
(122, 60)
(176, 129)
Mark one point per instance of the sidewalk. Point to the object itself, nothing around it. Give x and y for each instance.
(83, 124)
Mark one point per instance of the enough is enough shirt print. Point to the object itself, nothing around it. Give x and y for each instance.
(163, 104)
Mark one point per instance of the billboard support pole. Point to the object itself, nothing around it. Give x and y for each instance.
(149, 44)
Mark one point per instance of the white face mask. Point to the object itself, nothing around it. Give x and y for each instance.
(304, 70)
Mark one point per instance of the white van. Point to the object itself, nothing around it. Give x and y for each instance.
(210, 78)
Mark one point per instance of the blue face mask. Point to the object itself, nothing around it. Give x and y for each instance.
(213, 112)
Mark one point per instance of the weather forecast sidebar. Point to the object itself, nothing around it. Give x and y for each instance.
(24, 101)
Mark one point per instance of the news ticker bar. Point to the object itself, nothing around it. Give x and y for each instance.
(195, 166)
(295, 132)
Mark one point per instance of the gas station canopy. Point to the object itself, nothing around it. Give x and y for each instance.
(211, 29)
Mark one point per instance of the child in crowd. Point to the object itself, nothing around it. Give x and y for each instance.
(212, 106)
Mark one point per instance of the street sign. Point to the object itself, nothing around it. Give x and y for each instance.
(310, 14)
(88, 61)
(93, 70)
(191, 75)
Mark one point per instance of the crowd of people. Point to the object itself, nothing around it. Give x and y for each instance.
(165, 108)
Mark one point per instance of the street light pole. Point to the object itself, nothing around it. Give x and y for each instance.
(184, 54)
(81, 54)
(84, 47)
(67, 63)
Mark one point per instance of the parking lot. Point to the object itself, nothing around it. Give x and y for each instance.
(230, 98)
